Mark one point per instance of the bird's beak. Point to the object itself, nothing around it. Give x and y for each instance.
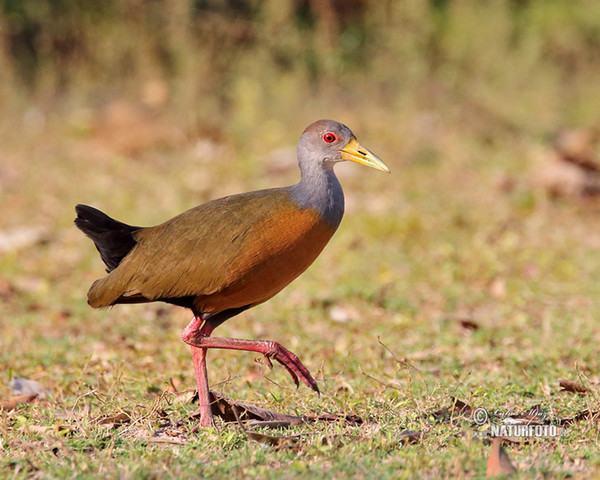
(355, 152)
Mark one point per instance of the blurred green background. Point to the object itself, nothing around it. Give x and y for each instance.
(246, 67)
(481, 283)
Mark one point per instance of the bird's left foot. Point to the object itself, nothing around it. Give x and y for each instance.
(270, 349)
(292, 364)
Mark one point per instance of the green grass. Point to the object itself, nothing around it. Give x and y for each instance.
(418, 251)
(377, 318)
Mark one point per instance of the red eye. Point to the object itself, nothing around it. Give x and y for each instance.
(330, 137)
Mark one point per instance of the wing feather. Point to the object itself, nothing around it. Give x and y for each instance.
(196, 253)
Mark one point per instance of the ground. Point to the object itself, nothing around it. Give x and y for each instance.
(442, 283)
(459, 295)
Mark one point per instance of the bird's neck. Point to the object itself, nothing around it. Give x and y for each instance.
(320, 189)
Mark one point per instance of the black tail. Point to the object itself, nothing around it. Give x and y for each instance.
(113, 239)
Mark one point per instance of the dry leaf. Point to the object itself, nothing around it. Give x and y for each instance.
(577, 146)
(349, 419)
(21, 386)
(170, 432)
(498, 462)
(273, 424)
(228, 409)
(585, 415)
(570, 386)
(186, 397)
(533, 416)
(468, 324)
(17, 400)
(271, 440)
(174, 384)
(411, 436)
(115, 420)
(223, 407)
(458, 407)
(171, 440)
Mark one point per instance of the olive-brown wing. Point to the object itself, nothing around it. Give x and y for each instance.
(212, 248)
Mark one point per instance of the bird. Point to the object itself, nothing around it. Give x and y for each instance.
(225, 256)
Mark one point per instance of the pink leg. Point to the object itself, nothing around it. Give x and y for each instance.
(199, 358)
(206, 417)
(200, 338)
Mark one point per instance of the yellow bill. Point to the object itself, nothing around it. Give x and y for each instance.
(355, 152)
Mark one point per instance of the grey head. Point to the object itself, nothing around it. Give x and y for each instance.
(323, 144)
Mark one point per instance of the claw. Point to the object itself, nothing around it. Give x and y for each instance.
(271, 350)
(294, 366)
(292, 373)
(268, 362)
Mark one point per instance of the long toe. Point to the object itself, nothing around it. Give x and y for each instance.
(293, 364)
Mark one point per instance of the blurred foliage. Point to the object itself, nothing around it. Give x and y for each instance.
(506, 58)
(454, 277)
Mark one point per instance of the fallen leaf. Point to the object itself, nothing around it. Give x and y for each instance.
(17, 400)
(21, 386)
(185, 397)
(577, 146)
(468, 324)
(271, 440)
(349, 419)
(223, 407)
(533, 416)
(411, 436)
(272, 424)
(115, 420)
(498, 462)
(570, 386)
(458, 408)
(332, 441)
(171, 440)
(174, 384)
(584, 415)
(168, 430)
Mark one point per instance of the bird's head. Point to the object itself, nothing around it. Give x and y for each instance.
(330, 142)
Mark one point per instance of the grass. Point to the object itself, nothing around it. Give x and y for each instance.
(377, 319)
(457, 233)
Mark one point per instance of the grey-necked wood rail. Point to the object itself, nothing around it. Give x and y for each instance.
(225, 256)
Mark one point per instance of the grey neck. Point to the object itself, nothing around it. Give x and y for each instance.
(320, 189)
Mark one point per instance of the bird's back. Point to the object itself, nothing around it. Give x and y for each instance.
(231, 252)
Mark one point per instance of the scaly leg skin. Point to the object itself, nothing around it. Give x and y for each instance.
(206, 416)
(199, 358)
(268, 348)
(197, 335)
